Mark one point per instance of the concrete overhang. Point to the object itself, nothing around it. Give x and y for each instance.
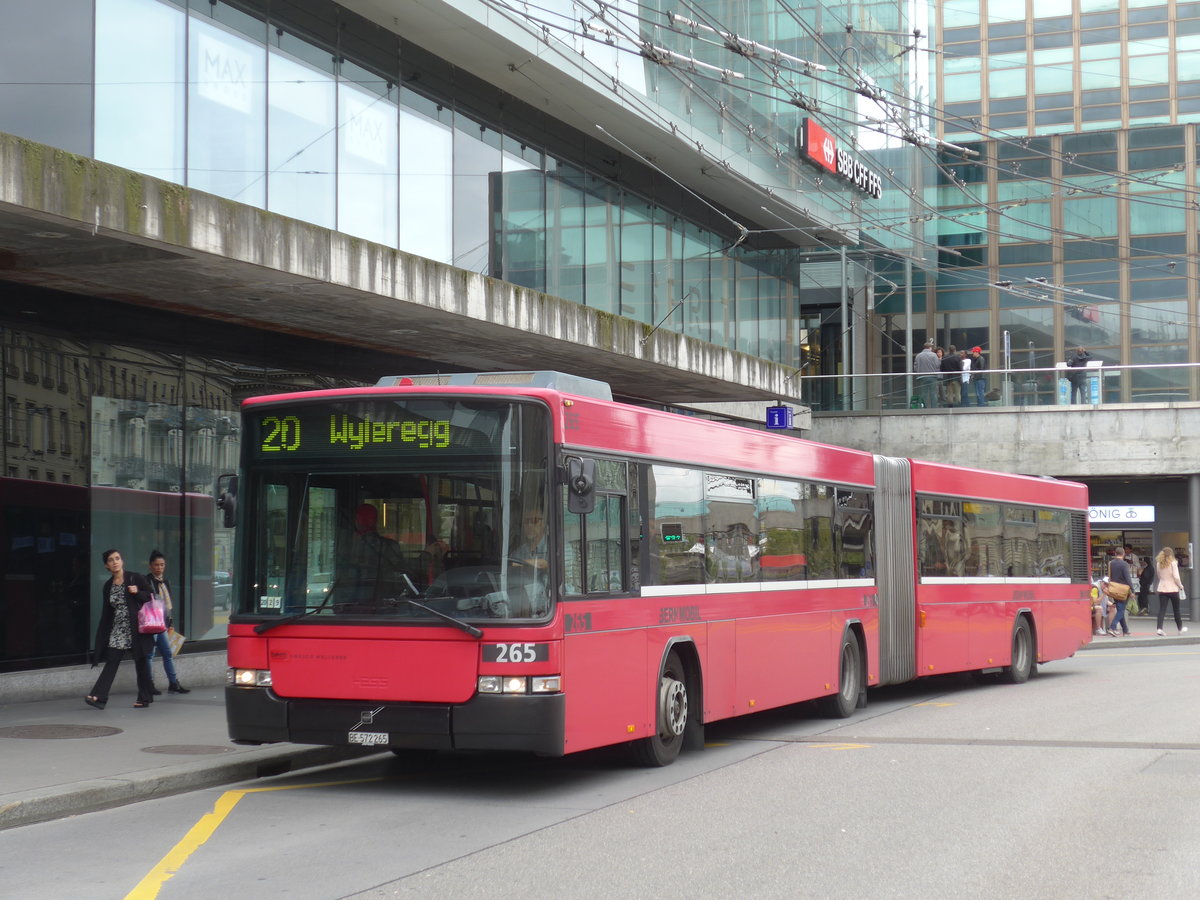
(72, 224)
(541, 72)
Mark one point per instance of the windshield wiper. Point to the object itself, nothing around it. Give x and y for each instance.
(470, 629)
(457, 623)
(263, 627)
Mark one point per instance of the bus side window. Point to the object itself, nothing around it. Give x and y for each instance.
(592, 548)
(572, 551)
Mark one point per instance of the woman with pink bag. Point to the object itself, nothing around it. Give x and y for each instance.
(117, 634)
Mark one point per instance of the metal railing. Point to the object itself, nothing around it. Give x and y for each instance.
(1012, 387)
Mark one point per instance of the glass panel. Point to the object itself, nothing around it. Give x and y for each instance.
(139, 68)
(46, 71)
(1020, 542)
(1148, 69)
(731, 529)
(359, 507)
(226, 122)
(855, 532)
(1097, 327)
(1053, 543)
(982, 531)
(676, 503)
(940, 533)
(783, 539)
(960, 87)
(1031, 337)
(301, 129)
(426, 184)
(1160, 384)
(367, 157)
(1093, 216)
(818, 526)
(477, 166)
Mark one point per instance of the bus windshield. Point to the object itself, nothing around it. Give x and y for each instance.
(397, 508)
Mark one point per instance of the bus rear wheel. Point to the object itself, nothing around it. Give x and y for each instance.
(842, 704)
(671, 717)
(1022, 654)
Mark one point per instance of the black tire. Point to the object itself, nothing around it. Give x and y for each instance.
(671, 717)
(850, 682)
(1022, 654)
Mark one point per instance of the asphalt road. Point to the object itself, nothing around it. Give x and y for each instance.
(1085, 782)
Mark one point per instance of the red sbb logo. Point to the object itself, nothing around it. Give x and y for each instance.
(820, 147)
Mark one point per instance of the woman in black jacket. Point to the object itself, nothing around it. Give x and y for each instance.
(117, 634)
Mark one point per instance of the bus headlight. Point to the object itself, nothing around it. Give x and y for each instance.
(519, 684)
(248, 677)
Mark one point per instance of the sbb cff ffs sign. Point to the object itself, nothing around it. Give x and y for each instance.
(821, 149)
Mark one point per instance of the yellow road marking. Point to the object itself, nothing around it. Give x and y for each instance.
(934, 703)
(840, 746)
(169, 865)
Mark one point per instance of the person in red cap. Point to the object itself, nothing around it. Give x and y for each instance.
(978, 379)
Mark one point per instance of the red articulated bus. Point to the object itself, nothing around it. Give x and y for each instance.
(513, 561)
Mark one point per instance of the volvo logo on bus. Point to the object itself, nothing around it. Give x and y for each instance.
(820, 148)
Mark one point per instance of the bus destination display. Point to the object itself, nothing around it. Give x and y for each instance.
(329, 432)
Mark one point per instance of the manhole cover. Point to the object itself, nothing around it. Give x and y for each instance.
(189, 749)
(57, 732)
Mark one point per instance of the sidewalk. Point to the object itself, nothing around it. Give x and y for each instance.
(59, 757)
(1142, 634)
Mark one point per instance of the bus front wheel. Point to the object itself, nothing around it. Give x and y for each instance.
(671, 715)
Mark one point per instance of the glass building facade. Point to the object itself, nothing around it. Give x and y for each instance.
(1075, 222)
(115, 436)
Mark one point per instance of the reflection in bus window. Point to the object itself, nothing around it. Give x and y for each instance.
(940, 535)
(782, 538)
(1020, 541)
(1054, 543)
(731, 529)
(855, 523)
(982, 530)
(818, 525)
(676, 501)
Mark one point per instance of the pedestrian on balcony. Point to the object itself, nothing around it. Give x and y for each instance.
(951, 367)
(1078, 374)
(978, 379)
(927, 368)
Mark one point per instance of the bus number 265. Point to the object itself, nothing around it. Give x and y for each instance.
(516, 653)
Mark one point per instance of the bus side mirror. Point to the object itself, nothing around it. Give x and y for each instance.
(227, 499)
(581, 485)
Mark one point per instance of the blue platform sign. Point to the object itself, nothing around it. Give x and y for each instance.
(779, 417)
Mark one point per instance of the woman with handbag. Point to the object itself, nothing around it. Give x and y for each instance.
(1120, 586)
(1170, 585)
(125, 594)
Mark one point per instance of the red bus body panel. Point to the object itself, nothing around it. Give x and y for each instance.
(756, 649)
(969, 626)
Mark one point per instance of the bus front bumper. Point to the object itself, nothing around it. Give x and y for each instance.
(531, 723)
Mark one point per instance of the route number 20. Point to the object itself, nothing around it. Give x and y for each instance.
(282, 434)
